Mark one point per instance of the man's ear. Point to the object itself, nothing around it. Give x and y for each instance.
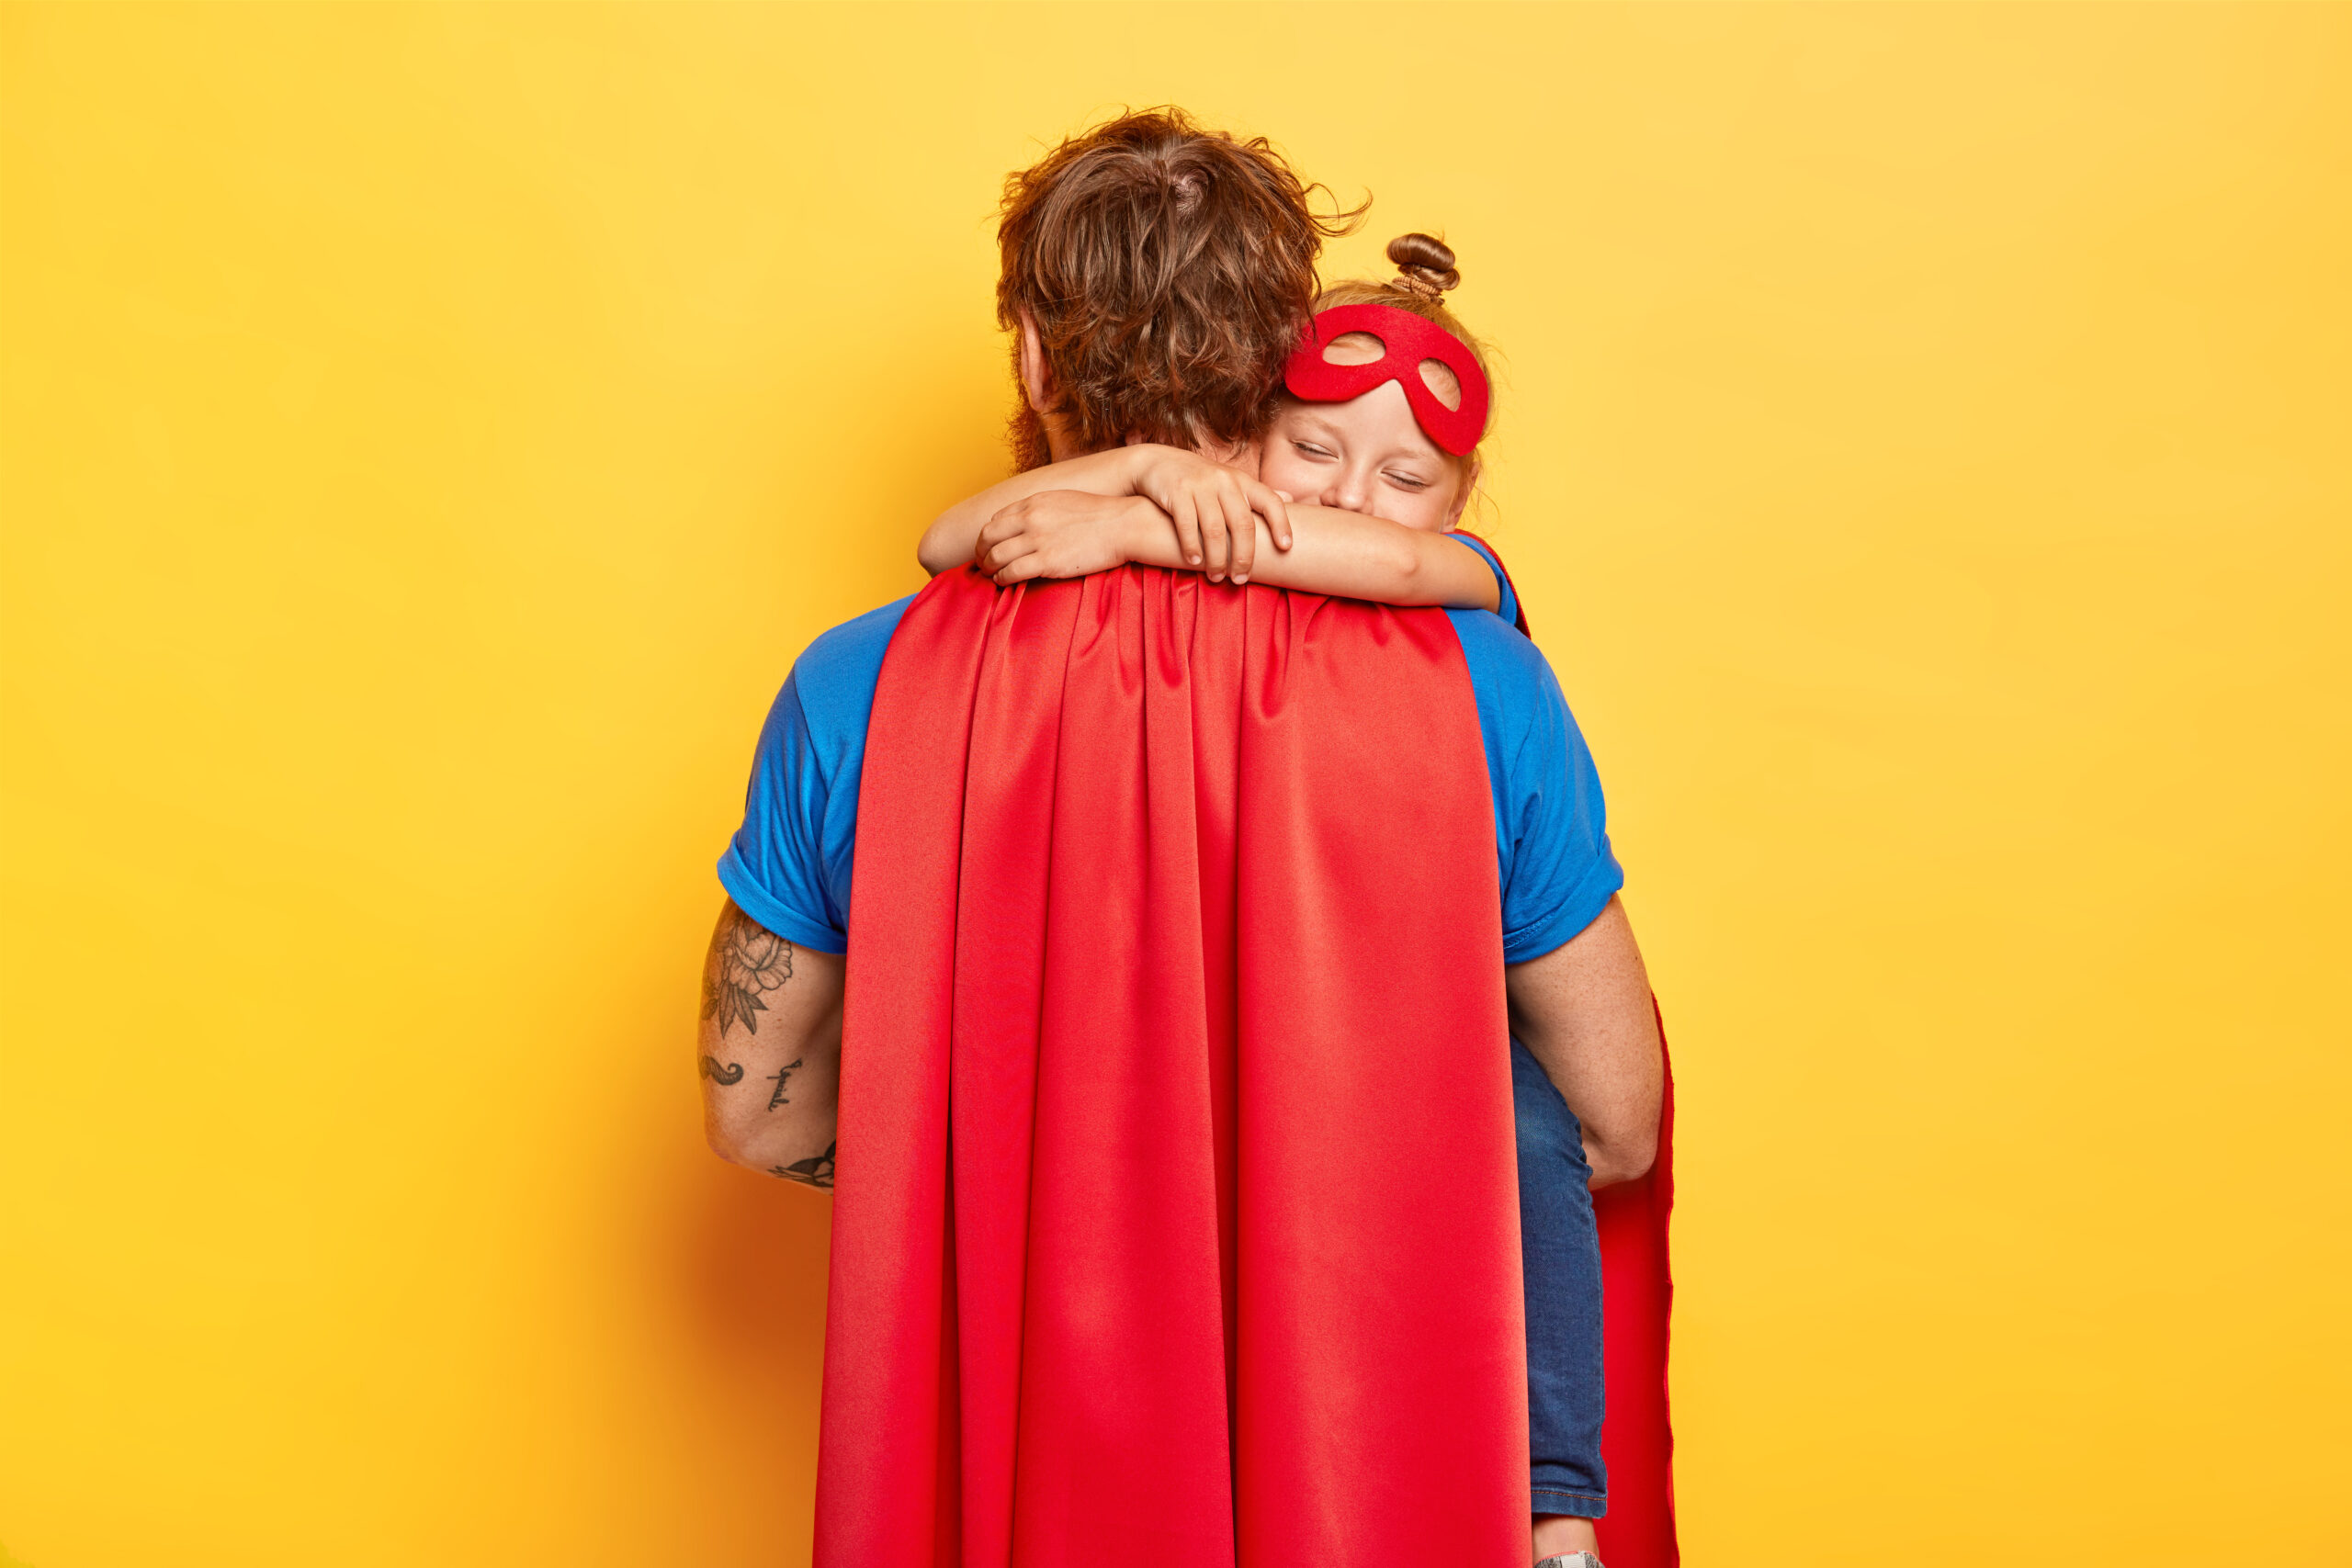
(1036, 379)
(1469, 483)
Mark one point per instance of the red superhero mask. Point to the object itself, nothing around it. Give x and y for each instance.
(1408, 340)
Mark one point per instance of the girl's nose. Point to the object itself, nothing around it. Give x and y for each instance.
(1352, 491)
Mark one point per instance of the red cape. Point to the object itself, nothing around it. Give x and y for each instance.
(1175, 1221)
(1637, 1305)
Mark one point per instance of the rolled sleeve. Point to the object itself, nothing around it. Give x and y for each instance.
(1561, 872)
(775, 868)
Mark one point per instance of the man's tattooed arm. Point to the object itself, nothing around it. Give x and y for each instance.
(771, 1013)
(746, 961)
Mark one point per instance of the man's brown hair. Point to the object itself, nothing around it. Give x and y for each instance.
(1169, 270)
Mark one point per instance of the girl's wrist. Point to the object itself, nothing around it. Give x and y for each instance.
(1142, 527)
(1135, 462)
(1107, 473)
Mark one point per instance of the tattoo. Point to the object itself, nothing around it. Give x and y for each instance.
(747, 961)
(816, 1170)
(716, 1072)
(780, 1074)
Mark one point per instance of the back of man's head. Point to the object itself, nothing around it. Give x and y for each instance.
(1169, 271)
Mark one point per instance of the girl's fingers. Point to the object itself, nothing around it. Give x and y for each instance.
(1217, 539)
(1269, 505)
(1006, 551)
(1187, 527)
(1213, 541)
(1243, 525)
(1022, 570)
(1003, 525)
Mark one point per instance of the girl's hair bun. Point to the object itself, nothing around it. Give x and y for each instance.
(1425, 263)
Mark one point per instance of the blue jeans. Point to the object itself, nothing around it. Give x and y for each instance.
(1561, 1249)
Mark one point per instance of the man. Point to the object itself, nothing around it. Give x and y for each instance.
(1156, 278)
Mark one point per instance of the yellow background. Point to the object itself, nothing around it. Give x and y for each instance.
(431, 433)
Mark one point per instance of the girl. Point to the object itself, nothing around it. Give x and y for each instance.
(1360, 485)
(1356, 496)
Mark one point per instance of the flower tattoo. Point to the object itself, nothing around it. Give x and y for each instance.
(751, 961)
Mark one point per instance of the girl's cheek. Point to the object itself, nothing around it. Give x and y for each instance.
(1283, 470)
(1421, 511)
(1431, 509)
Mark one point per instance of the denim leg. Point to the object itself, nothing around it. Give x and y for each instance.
(1562, 1252)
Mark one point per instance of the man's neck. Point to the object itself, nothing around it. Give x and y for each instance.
(1062, 442)
(1063, 446)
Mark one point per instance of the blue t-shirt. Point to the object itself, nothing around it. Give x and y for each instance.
(788, 867)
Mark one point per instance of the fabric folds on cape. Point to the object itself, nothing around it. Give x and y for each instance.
(1175, 1220)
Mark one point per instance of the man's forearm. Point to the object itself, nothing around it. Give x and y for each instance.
(1584, 1012)
(769, 1051)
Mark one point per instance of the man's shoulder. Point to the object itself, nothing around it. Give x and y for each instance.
(835, 675)
(1503, 663)
(855, 643)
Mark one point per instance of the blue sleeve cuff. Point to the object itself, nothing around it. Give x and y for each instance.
(1579, 909)
(815, 934)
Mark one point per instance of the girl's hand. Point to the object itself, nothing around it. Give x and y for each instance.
(1215, 508)
(1062, 533)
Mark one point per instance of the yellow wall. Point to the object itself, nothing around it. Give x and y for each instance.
(430, 434)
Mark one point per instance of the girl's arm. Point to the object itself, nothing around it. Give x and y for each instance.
(949, 542)
(1346, 554)
(1352, 555)
(1211, 506)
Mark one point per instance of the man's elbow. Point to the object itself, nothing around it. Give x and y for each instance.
(732, 1143)
(1622, 1159)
